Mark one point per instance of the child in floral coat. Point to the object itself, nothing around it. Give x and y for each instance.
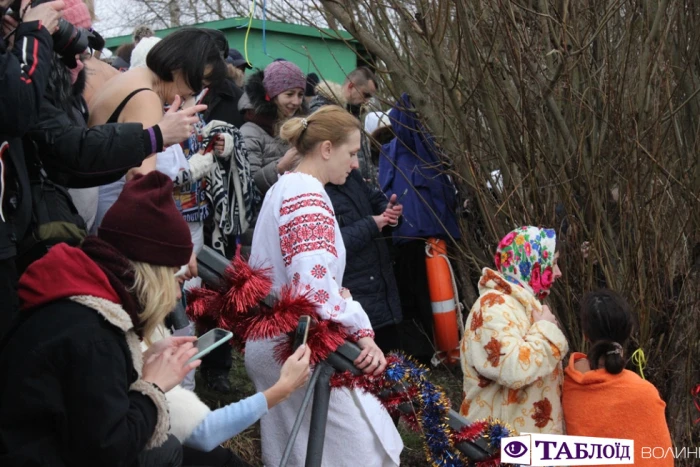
(512, 348)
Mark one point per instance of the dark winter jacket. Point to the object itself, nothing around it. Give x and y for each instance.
(71, 392)
(264, 146)
(24, 73)
(73, 155)
(222, 104)
(369, 275)
(328, 93)
(413, 163)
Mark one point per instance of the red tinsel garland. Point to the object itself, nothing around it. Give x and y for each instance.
(236, 305)
(470, 432)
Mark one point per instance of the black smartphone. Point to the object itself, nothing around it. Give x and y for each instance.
(401, 196)
(302, 332)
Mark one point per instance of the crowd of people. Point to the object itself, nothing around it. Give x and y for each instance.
(114, 176)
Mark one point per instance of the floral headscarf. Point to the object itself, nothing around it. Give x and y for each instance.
(526, 257)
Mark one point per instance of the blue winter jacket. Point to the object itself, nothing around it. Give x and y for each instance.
(411, 162)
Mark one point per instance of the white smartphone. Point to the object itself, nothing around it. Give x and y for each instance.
(209, 342)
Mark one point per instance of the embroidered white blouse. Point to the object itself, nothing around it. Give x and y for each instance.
(297, 235)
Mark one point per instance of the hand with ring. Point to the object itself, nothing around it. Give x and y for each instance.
(371, 359)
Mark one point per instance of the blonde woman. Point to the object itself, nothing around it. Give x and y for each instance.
(76, 389)
(298, 237)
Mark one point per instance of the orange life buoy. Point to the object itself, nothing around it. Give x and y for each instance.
(442, 299)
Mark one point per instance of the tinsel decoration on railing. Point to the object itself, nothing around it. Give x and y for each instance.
(241, 304)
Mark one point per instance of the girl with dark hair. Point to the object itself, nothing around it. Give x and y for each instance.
(178, 68)
(271, 96)
(622, 401)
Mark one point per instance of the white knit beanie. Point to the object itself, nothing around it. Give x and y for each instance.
(138, 56)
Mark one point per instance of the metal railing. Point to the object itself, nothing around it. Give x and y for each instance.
(211, 267)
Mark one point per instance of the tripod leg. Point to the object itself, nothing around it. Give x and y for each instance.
(319, 415)
(300, 417)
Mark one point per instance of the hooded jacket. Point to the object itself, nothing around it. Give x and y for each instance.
(599, 404)
(24, 71)
(328, 93)
(412, 162)
(511, 364)
(264, 146)
(369, 275)
(71, 392)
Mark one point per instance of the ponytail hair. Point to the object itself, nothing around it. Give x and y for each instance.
(607, 322)
(329, 123)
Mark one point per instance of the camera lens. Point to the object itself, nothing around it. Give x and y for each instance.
(69, 41)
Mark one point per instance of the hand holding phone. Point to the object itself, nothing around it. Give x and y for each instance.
(209, 342)
(394, 210)
(302, 332)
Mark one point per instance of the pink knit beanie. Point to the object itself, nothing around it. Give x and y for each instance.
(282, 76)
(77, 13)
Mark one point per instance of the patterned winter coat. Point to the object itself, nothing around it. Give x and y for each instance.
(511, 364)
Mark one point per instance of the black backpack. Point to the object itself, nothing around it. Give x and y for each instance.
(55, 219)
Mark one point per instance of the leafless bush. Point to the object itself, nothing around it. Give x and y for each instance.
(590, 110)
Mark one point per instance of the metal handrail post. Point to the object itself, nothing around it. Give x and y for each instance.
(319, 415)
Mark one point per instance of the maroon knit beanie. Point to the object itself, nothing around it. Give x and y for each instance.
(145, 225)
(282, 76)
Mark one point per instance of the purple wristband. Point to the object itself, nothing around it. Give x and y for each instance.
(152, 134)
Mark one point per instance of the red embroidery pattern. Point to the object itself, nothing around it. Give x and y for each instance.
(321, 296)
(296, 278)
(308, 232)
(305, 203)
(363, 333)
(303, 195)
(319, 271)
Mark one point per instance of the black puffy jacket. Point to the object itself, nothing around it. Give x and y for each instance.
(369, 275)
(24, 72)
(71, 391)
(73, 155)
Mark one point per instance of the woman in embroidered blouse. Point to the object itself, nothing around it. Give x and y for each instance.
(512, 348)
(298, 236)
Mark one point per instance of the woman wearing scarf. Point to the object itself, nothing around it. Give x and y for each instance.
(512, 348)
(76, 388)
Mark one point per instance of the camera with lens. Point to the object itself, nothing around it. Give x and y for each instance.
(68, 40)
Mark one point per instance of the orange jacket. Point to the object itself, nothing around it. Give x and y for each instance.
(623, 406)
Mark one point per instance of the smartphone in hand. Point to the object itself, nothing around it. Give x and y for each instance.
(302, 332)
(209, 341)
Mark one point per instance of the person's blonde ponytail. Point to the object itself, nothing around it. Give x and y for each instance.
(329, 123)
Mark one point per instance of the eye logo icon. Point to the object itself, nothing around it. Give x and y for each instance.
(515, 449)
